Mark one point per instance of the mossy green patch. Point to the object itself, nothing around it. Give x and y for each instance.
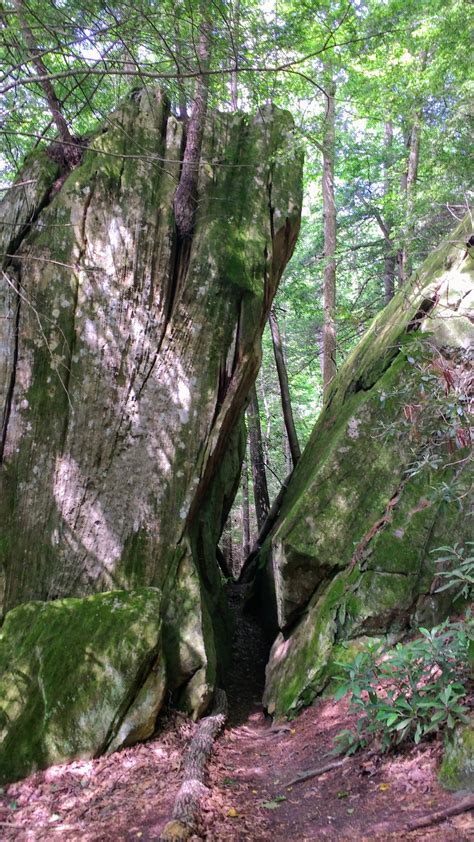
(457, 767)
(296, 669)
(71, 669)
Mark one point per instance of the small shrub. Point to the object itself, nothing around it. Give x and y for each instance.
(408, 692)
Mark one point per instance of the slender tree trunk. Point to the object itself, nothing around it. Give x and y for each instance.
(186, 197)
(245, 509)
(329, 220)
(286, 447)
(234, 94)
(408, 186)
(182, 99)
(390, 260)
(70, 151)
(260, 488)
(284, 388)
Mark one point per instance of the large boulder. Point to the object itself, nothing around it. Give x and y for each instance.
(383, 481)
(79, 677)
(127, 355)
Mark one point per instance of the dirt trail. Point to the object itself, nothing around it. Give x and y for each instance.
(129, 795)
(245, 679)
(366, 798)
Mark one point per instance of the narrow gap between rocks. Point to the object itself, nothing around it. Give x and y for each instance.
(244, 681)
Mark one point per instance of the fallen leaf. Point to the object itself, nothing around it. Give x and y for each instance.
(232, 812)
(342, 794)
(255, 791)
(384, 787)
(273, 805)
(292, 731)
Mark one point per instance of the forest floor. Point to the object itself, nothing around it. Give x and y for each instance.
(129, 795)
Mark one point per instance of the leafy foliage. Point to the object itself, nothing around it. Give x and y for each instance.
(460, 575)
(409, 692)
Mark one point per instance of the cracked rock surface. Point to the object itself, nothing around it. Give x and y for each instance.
(126, 358)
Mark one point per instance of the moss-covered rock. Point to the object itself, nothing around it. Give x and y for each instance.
(123, 386)
(79, 676)
(457, 767)
(383, 481)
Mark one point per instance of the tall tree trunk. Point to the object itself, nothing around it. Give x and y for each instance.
(286, 448)
(408, 186)
(329, 221)
(390, 260)
(234, 94)
(284, 388)
(70, 152)
(186, 197)
(245, 509)
(260, 488)
(182, 98)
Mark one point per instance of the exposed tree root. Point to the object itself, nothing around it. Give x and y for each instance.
(440, 815)
(188, 800)
(313, 773)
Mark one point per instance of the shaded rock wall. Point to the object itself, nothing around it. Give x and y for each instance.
(127, 355)
(383, 481)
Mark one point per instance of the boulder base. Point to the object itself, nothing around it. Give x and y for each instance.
(79, 676)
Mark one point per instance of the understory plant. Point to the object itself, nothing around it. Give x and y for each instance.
(460, 575)
(409, 692)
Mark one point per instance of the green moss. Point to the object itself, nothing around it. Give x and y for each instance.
(70, 670)
(457, 767)
(296, 670)
(362, 498)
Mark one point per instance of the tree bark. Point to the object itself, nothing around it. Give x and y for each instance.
(390, 260)
(234, 94)
(182, 98)
(408, 186)
(260, 488)
(70, 151)
(284, 388)
(329, 222)
(245, 509)
(186, 198)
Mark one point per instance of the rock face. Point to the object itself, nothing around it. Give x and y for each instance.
(127, 355)
(383, 482)
(79, 677)
(457, 768)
